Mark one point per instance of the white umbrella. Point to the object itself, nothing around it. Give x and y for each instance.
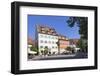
(31, 52)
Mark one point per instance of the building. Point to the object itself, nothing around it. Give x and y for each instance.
(63, 43)
(48, 37)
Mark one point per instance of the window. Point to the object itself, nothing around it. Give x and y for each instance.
(41, 35)
(41, 41)
(56, 47)
(45, 41)
(41, 46)
(56, 38)
(53, 42)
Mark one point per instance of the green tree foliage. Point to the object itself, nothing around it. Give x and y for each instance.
(34, 49)
(68, 48)
(45, 50)
(82, 44)
(82, 23)
(71, 49)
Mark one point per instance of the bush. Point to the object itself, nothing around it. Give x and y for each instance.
(46, 50)
(71, 49)
(34, 49)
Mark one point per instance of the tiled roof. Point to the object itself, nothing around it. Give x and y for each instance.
(49, 30)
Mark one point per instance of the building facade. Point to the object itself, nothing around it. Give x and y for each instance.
(48, 41)
(63, 43)
(48, 37)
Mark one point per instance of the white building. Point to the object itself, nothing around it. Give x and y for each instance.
(48, 37)
(49, 41)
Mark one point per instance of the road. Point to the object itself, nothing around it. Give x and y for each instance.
(54, 57)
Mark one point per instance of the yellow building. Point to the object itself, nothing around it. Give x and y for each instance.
(63, 43)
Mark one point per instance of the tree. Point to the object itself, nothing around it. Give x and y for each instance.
(45, 50)
(71, 49)
(82, 45)
(82, 23)
(68, 48)
(42, 52)
(34, 49)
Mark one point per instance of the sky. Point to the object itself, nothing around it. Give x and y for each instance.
(57, 22)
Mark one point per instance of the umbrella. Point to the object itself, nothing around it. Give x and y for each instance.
(31, 52)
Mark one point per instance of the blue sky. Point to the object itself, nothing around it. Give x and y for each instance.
(57, 22)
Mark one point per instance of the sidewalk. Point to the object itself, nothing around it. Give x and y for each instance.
(53, 57)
